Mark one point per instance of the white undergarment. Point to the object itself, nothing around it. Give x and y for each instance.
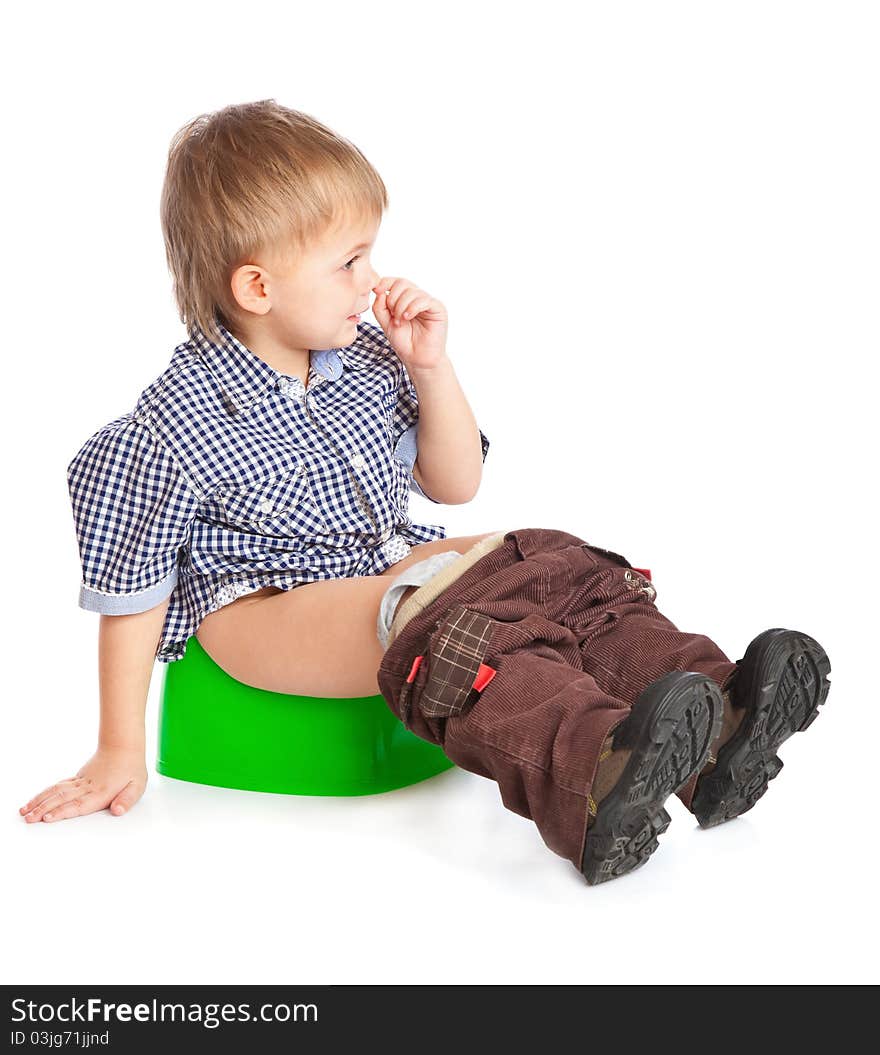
(415, 575)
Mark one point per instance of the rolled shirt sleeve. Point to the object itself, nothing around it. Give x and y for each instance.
(406, 430)
(133, 511)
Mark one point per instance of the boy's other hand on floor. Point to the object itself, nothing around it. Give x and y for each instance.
(114, 777)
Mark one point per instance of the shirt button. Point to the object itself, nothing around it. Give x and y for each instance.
(359, 461)
(266, 506)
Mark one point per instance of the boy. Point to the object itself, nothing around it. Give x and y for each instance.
(257, 497)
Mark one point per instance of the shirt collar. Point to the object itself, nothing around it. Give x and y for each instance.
(246, 378)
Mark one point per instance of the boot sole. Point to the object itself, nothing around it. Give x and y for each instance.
(783, 681)
(670, 729)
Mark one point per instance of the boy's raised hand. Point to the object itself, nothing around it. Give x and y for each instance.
(414, 322)
(114, 777)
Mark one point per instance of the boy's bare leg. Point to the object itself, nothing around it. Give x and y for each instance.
(315, 640)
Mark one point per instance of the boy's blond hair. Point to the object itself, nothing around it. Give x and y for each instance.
(250, 178)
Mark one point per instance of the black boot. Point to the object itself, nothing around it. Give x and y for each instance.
(781, 682)
(666, 738)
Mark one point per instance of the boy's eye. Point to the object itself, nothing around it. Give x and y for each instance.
(350, 262)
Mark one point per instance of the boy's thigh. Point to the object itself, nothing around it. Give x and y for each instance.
(318, 639)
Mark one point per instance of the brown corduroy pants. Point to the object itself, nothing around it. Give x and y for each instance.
(560, 637)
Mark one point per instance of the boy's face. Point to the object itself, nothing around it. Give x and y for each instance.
(306, 302)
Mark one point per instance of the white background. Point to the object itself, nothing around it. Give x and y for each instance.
(655, 228)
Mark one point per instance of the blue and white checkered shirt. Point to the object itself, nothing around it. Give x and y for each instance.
(229, 476)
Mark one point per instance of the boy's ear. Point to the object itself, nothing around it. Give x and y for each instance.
(249, 284)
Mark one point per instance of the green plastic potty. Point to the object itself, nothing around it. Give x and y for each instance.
(216, 730)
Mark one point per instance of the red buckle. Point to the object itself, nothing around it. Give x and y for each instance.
(484, 676)
(644, 571)
(417, 662)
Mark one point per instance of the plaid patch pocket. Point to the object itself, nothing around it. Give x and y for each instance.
(454, 661)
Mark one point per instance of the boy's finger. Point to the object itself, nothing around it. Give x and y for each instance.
(72, 808)
(44, 807)
(393, 289)
(63, 792)
(38, 799)
(124, 800)
(413, 305)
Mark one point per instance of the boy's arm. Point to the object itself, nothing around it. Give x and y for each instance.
(116, 774)
(449, 465)
(126, 655)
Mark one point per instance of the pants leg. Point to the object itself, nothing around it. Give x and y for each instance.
(537, 727)
(570, 641)
(626, 643)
